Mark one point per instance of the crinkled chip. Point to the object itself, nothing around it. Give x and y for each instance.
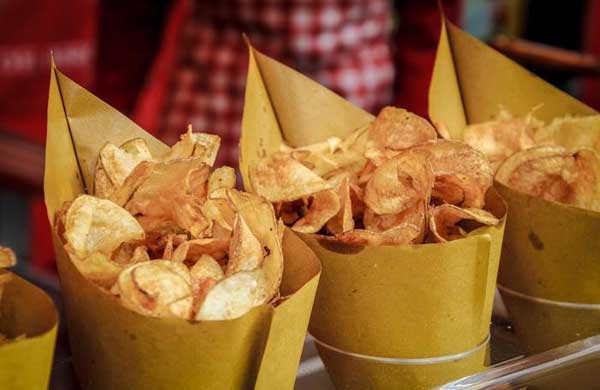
(281, 178)
(393, 130)
(245, 251)
(462, 174)
(157, 288)
(233, 296)
(415, 216)
(556, 174)
(7, 257)
(121, 194)
(444, 219)
(500, 138)
(323, 206)
(98, 225)
(399, 183)
(343, 221)
(221, 179)
(203, 146)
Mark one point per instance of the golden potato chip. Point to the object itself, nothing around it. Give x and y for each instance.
(415, 216)
(343, 221)
(399, 183)
(121, 194)
(98, 225)
(138, 148)
(443, 221)
(220, 179)
(7, 257)
(203, 146)
(206, 268)
(280, 178)
(245, 251)
(462, 174)
(233, 296)
(556, 174)
(173, 191)
(157, 288)
(393, 130)
(500, 138)
(323, 206)
(129, 253)
(118, 163)
(260, 217)
(103, 186)
(192, 250)
(571, 132)
(219, 211)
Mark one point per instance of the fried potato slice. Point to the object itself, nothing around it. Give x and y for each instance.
(462, 174)
(398, 235)
(97, 267)
(233, 296)
(118, 163)
(219, 211)
(203, 146)
(324, 206)
(245, 251)
(415, 216)
(343, 221)
(571, 132)
(443, 221)
(173, 191)
(260, 217)
(138, 148)
(98, 225)
(193, 249)
(500, 138)
(280, 178)
(121, 195)
(556, 174)
(394, 130)
(221, 179)
(206, 268)
(399, 183)
(157, 288)
(103, 186)
(7, 257)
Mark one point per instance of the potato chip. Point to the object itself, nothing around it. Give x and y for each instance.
(96, 267)
(192, 250)
(103, 186)
(206, 268)
(323, 206)
(129, 253)
(220, 179)
(343, 221)
(121, 194)
(157, 288)
(443, 221)
(245, 251)
(399, 183)
(280, 178)
(219, 211)
(462, 174)
(138, 148)
(233, 296)
(260, 217)
(556, 174)
(7, 257)
(394, 130)
(203, 146)
(118, 163)
(571, 132)
(173, 191)
(98, 225)
(415, 216)
(500, 138)
(398, 235)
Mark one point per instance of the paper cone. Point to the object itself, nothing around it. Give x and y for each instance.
(115, 348)
(26, 310)
(390, 301)
(551, 251)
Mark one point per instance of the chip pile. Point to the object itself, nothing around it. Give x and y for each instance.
(392, 182)
(170, 237)
(7, 259)
(558, 161)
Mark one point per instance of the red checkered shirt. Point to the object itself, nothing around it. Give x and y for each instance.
(341, 44)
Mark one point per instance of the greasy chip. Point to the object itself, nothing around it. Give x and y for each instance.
(245, 251)
(414, 216)
(324, 206)
(98, 225)
(200, 145)
(393, 130)
(556, 174)
(343, 221)
(118, 162)
(571, 133)
(399, 183)
(281, 178)
(444, 219)
(157, 288)
(398, 235)
(220, 180)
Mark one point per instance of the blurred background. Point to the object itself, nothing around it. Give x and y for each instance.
(166, 63)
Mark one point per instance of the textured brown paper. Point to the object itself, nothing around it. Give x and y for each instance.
(26, 310)
(115, 348)
(550, 250)
(403, 301)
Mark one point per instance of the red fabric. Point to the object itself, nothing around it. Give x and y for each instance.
(342, 44)
(29, 30)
